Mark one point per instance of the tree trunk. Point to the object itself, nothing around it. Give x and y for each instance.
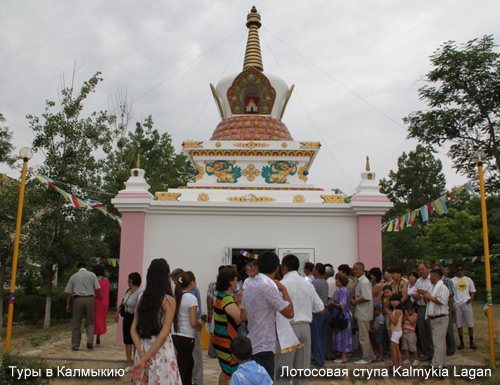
(48, 299)
(3, 268)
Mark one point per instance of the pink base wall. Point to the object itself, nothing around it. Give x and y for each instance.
(370, 241)
(131, 256)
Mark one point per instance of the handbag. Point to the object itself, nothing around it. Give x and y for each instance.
(122, 306)
(339, 322)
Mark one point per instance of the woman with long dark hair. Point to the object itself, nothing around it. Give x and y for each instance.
(155, 357)
(185, 324)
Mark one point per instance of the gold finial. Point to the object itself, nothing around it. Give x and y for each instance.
(253, 57)
(367, 163)
(138, 162)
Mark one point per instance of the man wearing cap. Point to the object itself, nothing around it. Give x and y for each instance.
(81, 287)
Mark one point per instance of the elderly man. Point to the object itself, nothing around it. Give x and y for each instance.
(437, 314)
(306, 303)
(423, 285)
(363, 311)
(450, 335)
(81, 287)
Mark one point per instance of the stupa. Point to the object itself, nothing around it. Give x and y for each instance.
(250, 192)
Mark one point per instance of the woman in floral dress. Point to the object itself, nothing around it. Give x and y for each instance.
(155, 360)
(342, 338)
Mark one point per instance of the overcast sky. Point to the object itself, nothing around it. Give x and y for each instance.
(356, 66)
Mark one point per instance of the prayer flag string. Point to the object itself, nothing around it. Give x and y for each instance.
(77, 202)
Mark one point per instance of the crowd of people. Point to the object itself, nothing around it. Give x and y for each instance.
(269, 316)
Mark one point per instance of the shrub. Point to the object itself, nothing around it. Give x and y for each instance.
(22, 362)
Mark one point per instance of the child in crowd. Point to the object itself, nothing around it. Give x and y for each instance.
(251, 269)
(386, 302)
(409, 340)
(395, 315)
(248, 372)
(379, 331)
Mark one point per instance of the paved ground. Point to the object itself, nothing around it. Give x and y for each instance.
(109, 356)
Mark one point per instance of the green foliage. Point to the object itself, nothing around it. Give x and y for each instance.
(22, 362)
(30, 279)
(73, 142)
(463, 96)
(418, 180)
(493, 212)
(6, 147)
(456, 234)
(72, 145)
(453, 236)
(9, 194)
(164, 168)
(403, 244)
(29, 307)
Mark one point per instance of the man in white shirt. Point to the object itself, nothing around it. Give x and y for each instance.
(437, 314)
(305, 302)
(464, 294)
(424, 327)
(81, 287)
(363, 311)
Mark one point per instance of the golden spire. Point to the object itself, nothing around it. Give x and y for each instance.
(367, 163)
(253, 57)
(138, 162)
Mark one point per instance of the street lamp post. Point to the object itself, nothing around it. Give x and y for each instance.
(25, 154)
(479, 158)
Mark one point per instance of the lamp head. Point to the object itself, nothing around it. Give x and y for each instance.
(479, 157)
(26, 153)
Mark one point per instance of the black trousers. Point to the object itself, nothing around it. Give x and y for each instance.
(184, 347)
(265, 359)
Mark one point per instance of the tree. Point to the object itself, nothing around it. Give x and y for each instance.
(418, 180)
(463, 96)
(6, 147)
(72, 145)
(9, 189)
(455, 235)
(164, 168)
